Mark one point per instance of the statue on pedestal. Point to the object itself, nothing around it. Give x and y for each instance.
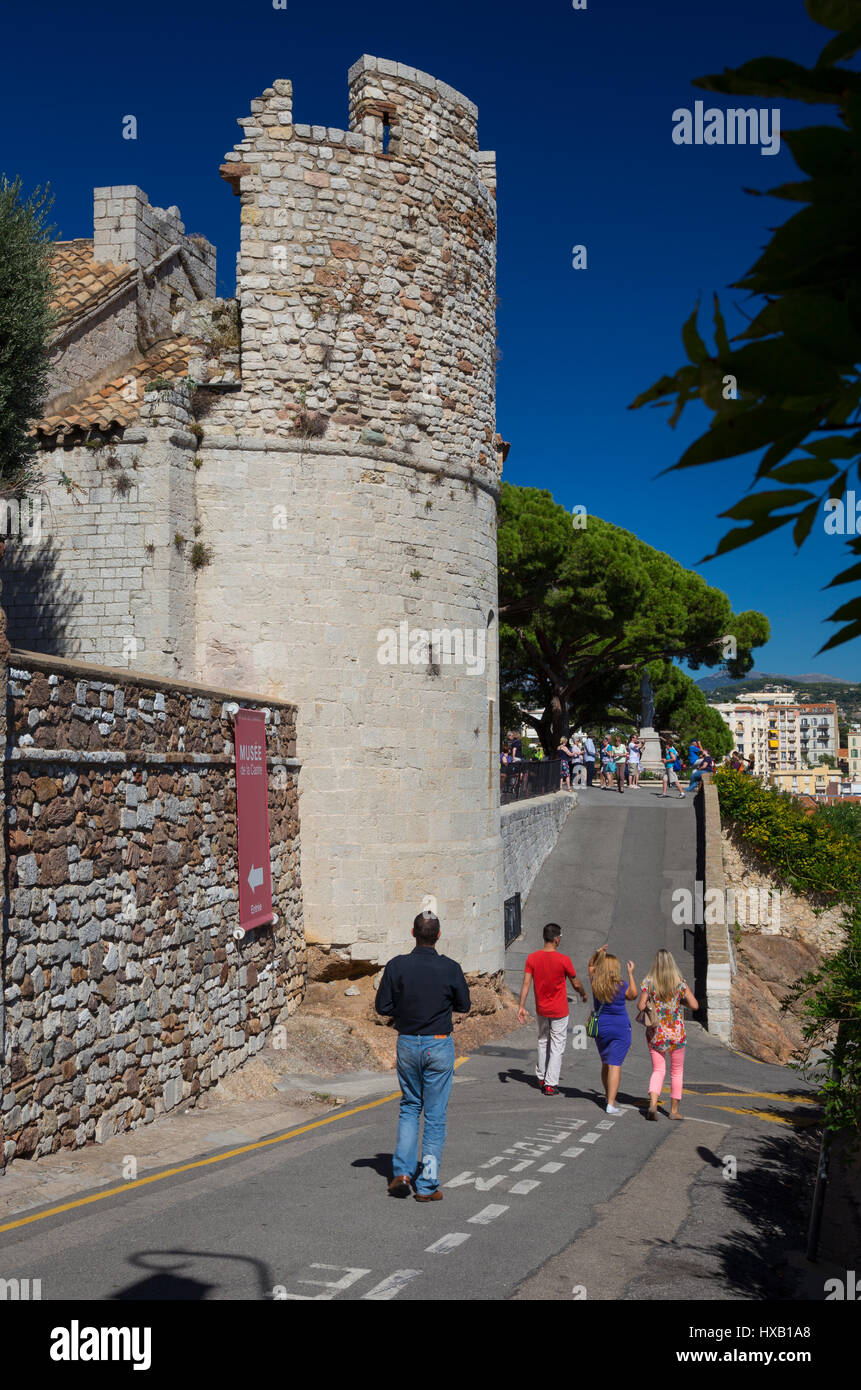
(647, 717)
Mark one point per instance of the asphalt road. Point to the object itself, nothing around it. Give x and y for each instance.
(543, 1197)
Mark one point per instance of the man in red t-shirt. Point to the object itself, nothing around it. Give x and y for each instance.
(549, 971)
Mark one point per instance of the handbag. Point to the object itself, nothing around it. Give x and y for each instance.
(592, 1023)
(649, 1015)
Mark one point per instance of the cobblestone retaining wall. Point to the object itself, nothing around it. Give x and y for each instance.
(125, 991)
(530, 830)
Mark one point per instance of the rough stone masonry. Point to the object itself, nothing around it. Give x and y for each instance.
(125, 990)
(339, 477)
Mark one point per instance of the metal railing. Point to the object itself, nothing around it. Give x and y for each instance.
(521, 780)
(511, 908)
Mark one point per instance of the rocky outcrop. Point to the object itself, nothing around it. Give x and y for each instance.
(768, 967)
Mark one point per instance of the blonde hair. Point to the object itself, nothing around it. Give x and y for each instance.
(664, 976)
(606, 976)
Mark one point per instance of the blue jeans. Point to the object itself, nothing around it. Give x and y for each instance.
(425, 1071)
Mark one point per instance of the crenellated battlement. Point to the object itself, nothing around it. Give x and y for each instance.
(366, 272)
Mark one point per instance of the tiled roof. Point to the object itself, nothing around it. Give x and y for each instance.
(80, 282)
(107, 408)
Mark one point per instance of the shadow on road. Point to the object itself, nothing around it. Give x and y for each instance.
(381, 1163)
(165, 1283)
(770, 1197)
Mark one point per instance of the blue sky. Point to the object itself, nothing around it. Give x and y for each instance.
(578, 106)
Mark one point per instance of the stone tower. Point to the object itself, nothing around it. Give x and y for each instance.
(348, 490)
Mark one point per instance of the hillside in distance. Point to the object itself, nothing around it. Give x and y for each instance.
(810, 689)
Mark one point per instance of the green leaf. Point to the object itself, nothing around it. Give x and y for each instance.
(694, 345)
(834, 14)
(806, 518)
(820, 324)
(720, 331)
(847, 634)
(821, 150)
(810, 470)
(843, 46)
(742, 433)
(778, 451)
(782, 367)
(667, 386)
(760, 503)
(850, 576)
(743, 535)
(778, 77)
(836, 446)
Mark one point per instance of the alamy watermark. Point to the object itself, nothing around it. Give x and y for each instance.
(446, 646)
(21, 520)
(735, 126)
(843, 516)
(755, 907)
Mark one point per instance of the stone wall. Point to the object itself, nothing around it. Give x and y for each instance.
(125, 990)
(86, 353)
(111, 578)
(720, 963)
(366, 271)
(347, 483)
(128, 231)
(529, 831)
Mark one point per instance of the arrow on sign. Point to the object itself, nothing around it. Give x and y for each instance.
(255, 878)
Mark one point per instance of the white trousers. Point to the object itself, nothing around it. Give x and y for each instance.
(552, 1033)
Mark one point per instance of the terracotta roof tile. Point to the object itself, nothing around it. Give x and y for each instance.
(107, 408)
(80, 283)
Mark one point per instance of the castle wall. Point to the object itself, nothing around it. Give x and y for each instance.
(348, 484)
(399, 790)
(355, 472)
(125, 990)
(94, 348)
(107, 580)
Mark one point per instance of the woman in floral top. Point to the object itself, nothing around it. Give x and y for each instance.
(665, 992)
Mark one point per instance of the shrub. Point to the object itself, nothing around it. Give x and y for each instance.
(807, 852)
(201, 555)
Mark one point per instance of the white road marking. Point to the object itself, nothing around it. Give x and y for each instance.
(446, 1244)
(520, 1188)
(519, 1167)
(590, 1138)
(551, 1167)
(571, 1153)
(391, 1287)
(335, 1285)
(491, 1162)
(486, 1215)
(481, 1184)
(697, 1121)
(605, 1124)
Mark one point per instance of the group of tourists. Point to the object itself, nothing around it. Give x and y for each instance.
(419, 991)
(661, 998)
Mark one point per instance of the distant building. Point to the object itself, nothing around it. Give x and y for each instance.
(803, 782)
(782, 734)
(853, 754)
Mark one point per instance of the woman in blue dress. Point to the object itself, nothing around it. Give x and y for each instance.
(609, 994)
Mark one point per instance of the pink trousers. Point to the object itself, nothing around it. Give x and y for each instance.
(659, 1071)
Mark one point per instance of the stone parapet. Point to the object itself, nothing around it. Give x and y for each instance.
(720, 965)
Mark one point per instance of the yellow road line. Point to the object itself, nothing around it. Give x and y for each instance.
(760, 1095)
(771, 1116)
(201, 1162)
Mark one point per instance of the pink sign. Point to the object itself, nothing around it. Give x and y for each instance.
(252, 819)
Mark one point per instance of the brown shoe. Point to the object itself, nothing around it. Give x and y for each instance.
(399, 1187)
(428, 1196)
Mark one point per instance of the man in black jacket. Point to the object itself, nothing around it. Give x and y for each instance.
(419, 991)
